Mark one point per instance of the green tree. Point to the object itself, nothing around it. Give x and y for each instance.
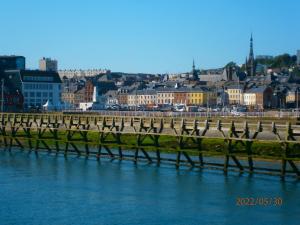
(233, 64)
(280, 61)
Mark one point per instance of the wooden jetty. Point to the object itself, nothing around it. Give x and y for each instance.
(106, 136)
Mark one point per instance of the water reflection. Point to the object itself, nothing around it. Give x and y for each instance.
(52, 189)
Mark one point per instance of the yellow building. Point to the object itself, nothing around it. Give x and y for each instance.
(201, 97)
(195, 97)
(188, 96)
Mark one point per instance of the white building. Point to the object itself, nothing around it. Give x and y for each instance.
(38, 87)
(81, 73)
(235, 95)
(84, 106)
(142, 97)
(165, 96)
(249, 99)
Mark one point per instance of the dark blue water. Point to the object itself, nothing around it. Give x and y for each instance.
(50, 189)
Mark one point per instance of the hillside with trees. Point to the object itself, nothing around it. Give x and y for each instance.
(280, 61)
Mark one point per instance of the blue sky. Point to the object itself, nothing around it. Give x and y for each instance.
(154, 36)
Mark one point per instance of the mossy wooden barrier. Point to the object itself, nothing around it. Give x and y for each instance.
(190, 141)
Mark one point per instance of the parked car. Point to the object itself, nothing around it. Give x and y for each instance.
(216, 109)
(180, 108)
(192, 109)
(202, 109)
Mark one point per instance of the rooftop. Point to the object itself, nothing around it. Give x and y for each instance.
(11, 56)
(260, 89)
(35, 74)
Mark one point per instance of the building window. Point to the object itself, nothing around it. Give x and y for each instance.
(32, 94)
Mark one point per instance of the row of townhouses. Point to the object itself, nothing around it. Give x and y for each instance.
(172, 96)
(257, 93)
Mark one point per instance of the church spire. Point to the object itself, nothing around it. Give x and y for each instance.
(193, 64)
(194, 72)
(250, 63)
(251, 54)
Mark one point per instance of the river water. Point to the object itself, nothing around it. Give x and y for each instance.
(51, 189)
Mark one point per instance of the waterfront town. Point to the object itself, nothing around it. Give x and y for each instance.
(262, 83)
(150, 112)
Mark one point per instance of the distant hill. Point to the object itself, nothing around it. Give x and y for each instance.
(280, 61)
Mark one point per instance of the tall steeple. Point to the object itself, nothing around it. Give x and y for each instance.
(193, 64)
(250, 63)
(251, 54)
(194, 72)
